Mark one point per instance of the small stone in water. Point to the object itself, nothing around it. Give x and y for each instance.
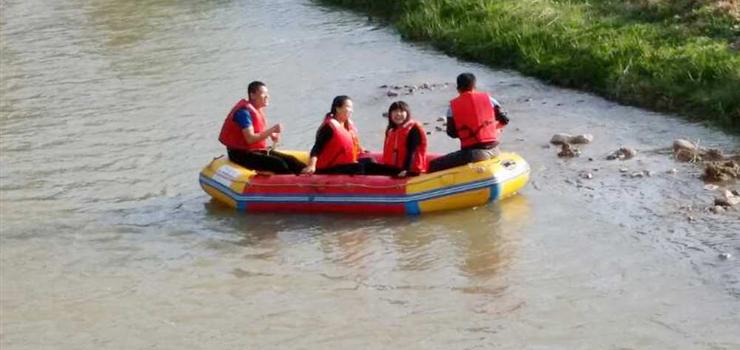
(724, 256)
(559, 139)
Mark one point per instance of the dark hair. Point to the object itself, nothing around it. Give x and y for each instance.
(254, 86)
(398, 105)
(465, 82)
(336, 103)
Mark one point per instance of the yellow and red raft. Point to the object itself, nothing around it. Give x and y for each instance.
(464, 186)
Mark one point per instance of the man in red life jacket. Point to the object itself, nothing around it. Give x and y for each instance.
(476, 119)
(245, 135)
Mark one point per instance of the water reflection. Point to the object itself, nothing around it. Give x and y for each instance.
(477, 244)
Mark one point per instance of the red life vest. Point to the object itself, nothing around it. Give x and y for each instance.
(352, 130)
(231, 133)
(341, 148)
(394, 149)
(474, 118)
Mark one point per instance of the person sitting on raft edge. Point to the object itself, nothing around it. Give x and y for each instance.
(476, 119)
(405, 145)
(337, 146)
(245, 134)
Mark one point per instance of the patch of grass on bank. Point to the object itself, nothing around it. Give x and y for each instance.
(679, 56)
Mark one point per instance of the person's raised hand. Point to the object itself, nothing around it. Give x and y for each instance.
(276, 129)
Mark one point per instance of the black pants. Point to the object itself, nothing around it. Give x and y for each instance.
(462, 157)
(365, 166)
(276, 162)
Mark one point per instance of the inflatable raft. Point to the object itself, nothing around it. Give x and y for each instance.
(465, 186)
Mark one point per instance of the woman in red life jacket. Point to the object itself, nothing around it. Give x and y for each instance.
(245, 134)
(337, 145)
(405, 145)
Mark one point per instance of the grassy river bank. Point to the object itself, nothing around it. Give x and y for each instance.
(678, 56)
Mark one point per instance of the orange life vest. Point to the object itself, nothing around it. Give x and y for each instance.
(231, 132)
(475, 119)
(396, 141)
(342, 148)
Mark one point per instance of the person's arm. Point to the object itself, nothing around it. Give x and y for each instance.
(451, 130)
(499, 112)
(412, 144)
(244, 119)
(322, 138)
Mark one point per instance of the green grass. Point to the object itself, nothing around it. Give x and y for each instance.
(671, 56)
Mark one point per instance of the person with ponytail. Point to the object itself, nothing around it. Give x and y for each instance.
(405, 143)
(337, 147)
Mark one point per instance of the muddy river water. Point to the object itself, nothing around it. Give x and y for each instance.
(109, 109)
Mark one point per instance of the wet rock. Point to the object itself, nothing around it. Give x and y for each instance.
(685, 155)
(385, 115)
(623, 153)
(717, 209)
(396, 87)
(711, 187)
(438, 128)
(590, 159)
(425, 86)
(546, 146)
(672, 171)
(568, 151)
(648, 173)
(429, 132)
(679, 144)
(637, 174)
(560, 139)
(581, 139)
(391, 93)
(721, 171)
(713, 155)
(691, 218)
(383, 86)
(441, 119)
(623, 170)
(587, 175)
(727, 199)
(685, 151)
(628, 152)
(724, 256)
(424, 123)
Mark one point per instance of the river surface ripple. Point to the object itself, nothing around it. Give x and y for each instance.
(110, 108)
